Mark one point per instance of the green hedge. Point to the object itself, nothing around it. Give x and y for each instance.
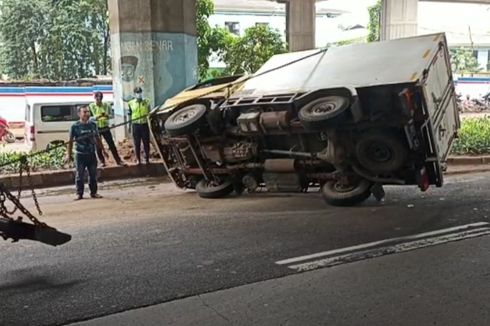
(474, 137)
(53, 160)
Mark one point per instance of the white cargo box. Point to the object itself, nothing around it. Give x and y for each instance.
(421, 60)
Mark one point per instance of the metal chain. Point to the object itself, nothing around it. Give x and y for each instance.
(22, 163)
(31, 186)
(6, 194)
(3, 209)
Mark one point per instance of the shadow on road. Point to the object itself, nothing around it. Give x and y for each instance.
(30, 280)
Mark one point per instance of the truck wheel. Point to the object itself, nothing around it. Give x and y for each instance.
(380, 152)
(336, 193)
(10, 137)
(214, 189)
(324, 112)
(185, 120)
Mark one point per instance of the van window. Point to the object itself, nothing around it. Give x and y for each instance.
(28, 113)
(56, 113)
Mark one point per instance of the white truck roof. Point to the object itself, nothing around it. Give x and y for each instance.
(352, 66)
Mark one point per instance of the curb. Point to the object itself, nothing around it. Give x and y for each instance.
(467, 169)
(468, 160)
(67, 177)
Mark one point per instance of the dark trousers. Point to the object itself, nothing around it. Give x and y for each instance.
(89, 162)
(107, 135)
(141, 133)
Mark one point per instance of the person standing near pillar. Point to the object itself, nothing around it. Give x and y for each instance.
(101, 112)
(85, 134)
(139, 108)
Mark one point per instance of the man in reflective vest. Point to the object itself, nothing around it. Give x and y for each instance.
(101, 112)
(139, 109)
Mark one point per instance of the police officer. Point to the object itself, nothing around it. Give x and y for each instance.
(101, 112)
(139, 109)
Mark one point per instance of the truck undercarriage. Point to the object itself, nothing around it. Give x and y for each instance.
(344, 144)
(348, 121)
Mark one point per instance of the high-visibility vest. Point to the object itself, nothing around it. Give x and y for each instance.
(101, 114)
(139, 111)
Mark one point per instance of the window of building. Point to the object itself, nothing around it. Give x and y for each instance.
(233, 27)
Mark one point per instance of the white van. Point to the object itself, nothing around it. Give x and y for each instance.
(48, 121)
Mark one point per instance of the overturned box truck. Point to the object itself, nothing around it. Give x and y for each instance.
(346, 120)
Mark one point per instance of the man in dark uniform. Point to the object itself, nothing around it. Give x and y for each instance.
(85, 134)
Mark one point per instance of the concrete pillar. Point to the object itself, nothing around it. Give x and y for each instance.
(483, 59)
(154, 46)
(300, 24)
(398, 19)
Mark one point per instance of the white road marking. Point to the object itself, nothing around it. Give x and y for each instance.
(398, 248)
(433, 237)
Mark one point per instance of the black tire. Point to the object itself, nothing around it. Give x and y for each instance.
(337, 195)
(208, 189)
(381, 152)
(10, 137)
(185, 120)
(324, 112)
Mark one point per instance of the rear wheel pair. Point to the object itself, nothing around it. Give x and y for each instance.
(335, 192)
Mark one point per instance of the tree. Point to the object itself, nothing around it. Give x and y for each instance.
(463, 60)
(54, 39)
(204, 9)
(374, 25)
(248, 53)
(99, 20)
(240, 54)
(22, 30)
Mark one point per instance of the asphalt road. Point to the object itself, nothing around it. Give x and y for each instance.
(148, 244)
(391, 290)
